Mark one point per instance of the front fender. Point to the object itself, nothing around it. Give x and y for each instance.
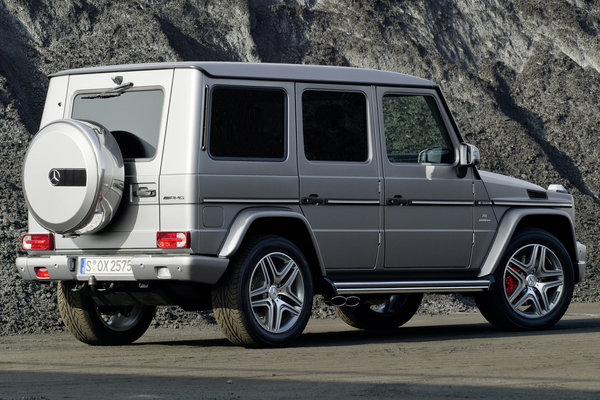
(509, 223)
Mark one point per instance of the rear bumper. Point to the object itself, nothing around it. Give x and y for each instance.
(187, 268)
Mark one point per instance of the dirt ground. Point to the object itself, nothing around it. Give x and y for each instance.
(443, 356)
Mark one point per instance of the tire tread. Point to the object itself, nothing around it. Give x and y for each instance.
(81, 320)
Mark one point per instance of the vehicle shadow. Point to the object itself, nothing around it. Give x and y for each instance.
(429, 333)
(439, 333)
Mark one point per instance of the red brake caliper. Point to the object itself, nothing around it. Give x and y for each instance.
(510, 282)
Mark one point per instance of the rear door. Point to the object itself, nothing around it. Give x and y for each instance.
(339, 173)
(137, 118)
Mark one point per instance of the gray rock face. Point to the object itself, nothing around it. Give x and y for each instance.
(522, 78)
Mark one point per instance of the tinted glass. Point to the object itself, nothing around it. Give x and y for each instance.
(414, 130)
(335, 126)
(247, 123)
(133, 117)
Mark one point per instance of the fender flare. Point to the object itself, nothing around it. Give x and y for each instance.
(244, 220)
(506, 229)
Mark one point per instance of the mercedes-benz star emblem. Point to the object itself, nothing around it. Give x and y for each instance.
(54, 176)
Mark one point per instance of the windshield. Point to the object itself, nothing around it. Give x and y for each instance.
(133, 117)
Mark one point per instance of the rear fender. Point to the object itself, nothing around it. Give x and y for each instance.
(244, 220)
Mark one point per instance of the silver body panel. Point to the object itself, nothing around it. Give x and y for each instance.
(448, 222)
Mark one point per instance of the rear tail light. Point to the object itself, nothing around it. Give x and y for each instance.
(44, 241)
(42, 272)
(173, 240)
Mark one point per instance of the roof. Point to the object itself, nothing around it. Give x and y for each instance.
(284, 72)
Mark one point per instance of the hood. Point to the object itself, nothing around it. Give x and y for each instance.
(508, 189)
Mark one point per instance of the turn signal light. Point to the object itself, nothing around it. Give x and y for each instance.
(173, 240)
(43, 241)
(42, 272)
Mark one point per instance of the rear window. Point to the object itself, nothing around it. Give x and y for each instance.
(133, 117)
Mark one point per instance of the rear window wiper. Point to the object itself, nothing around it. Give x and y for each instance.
(114, 92)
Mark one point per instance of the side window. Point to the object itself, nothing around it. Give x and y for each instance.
(335, 126)
(247, 123)
(414, 130)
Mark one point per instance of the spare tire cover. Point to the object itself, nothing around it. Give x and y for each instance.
(73, 177)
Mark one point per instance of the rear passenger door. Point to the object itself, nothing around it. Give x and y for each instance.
(339, 172)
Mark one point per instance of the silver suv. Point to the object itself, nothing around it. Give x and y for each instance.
(248, 188)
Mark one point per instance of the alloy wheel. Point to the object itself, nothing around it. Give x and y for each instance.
(276, 292)
(533, 281)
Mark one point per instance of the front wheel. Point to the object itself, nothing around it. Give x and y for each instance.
(533, 283)
(381, 312)
(265, 298)
(101, 325)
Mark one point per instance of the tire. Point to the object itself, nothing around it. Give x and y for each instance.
(101, 325)
(533, 283)
(265, 297)
(381, 312)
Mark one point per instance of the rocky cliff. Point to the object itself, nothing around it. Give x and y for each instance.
(522, 78)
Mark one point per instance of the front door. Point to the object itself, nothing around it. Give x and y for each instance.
(429, 207)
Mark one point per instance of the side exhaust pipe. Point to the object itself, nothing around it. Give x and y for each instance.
(352, 301)
(340, 301)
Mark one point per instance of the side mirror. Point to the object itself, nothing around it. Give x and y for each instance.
(469, 155)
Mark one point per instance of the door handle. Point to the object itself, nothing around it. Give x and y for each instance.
(313, 199)
(145, 192)
(397, 200)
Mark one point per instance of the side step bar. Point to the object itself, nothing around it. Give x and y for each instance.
(480, 285)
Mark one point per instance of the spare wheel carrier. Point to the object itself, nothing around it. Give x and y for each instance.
(73, 177)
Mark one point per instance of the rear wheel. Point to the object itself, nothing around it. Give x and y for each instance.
(265, 298)
(381, 312)
(533, 283)
(101, 325)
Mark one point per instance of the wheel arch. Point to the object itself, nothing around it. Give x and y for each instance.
(556, 222)
(276, 221)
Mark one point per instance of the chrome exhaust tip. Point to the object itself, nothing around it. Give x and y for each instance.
(338, 301)
(341, 301)
(352, 301)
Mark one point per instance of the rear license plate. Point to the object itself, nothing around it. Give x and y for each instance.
(101, 266)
